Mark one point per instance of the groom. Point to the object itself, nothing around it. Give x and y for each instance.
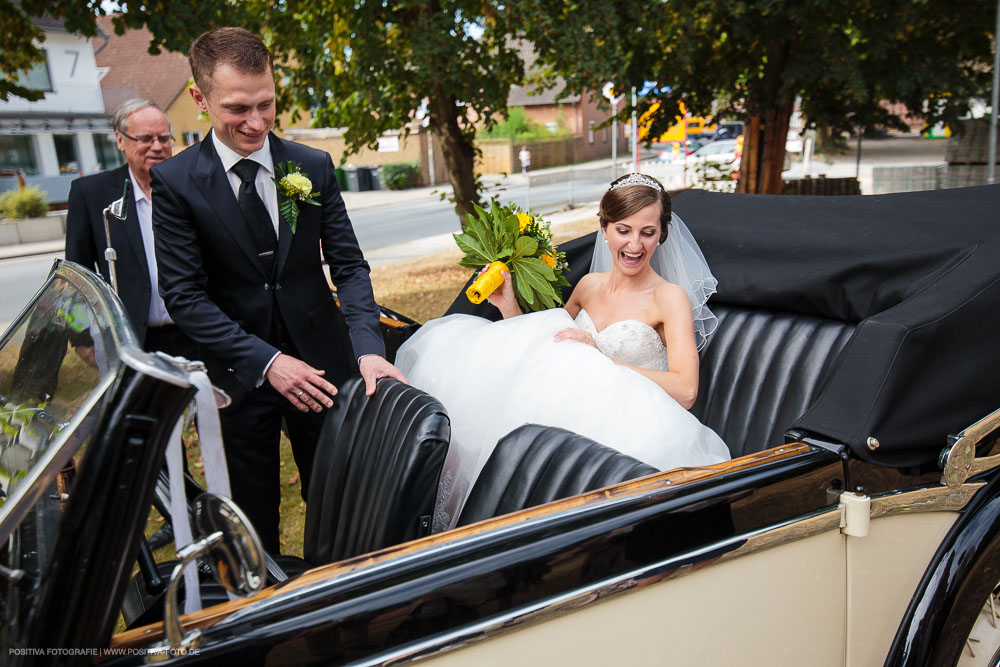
(244, 280)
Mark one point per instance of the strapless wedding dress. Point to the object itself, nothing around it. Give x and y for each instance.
(495, 376)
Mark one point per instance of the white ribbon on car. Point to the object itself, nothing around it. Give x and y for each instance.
(216, 475)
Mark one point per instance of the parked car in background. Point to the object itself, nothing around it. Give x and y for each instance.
(728, 130)
(716, 165)
(677, 151)
(719, 152)
(853, 376)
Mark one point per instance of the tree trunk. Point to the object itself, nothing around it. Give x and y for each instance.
(457, 149)
(764, 152)
(764, 135)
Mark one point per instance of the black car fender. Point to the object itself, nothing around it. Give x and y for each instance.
(964, 570)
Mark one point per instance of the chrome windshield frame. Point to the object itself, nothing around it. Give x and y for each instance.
(42, 474)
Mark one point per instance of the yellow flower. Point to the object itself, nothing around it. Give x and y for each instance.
(297, 184)
(550, 260)
(524, 219)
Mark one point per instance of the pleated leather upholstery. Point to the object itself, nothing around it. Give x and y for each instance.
(376, 470)
(533, 465)
(761, 371)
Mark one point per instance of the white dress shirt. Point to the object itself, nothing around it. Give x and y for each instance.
(265, 186)
(265, 189)
(157, 316)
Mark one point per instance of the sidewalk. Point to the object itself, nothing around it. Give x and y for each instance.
(28, 249)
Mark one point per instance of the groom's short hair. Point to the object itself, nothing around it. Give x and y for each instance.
(236, 47)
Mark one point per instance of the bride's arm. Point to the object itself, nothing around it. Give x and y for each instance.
(577, 298)
(681, 381)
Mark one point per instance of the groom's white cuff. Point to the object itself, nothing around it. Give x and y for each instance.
(263, 376)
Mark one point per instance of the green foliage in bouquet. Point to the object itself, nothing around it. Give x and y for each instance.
(523, 242)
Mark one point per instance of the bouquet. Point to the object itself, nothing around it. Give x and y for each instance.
(504, 238)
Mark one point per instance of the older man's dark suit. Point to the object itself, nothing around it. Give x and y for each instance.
(85, 240)
(218, 291)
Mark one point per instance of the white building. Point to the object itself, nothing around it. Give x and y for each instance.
(66, 133)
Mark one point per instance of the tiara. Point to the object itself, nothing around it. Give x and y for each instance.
(635, 178)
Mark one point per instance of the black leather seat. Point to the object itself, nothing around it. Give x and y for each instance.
(533, 465)
(376, 470)
(761, 371)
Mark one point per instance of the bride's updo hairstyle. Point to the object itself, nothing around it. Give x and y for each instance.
(630, 194)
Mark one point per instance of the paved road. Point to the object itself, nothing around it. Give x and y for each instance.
(21, 277)
(412, 220)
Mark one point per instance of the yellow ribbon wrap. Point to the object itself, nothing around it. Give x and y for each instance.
(487, 282)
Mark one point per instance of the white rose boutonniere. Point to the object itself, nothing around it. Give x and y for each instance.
(295, 188)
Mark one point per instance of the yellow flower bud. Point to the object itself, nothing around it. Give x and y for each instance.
(487, 282)
(524, 219)
(550, 260)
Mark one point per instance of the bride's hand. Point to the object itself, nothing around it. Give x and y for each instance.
(503, 297)
(576, 334)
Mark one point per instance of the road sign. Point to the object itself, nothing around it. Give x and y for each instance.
(650, 86)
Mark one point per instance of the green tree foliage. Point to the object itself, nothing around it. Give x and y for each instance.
(173, 23)
(517, 125)
(842, 58)
(371, 66)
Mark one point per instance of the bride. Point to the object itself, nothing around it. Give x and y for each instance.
(598, 367)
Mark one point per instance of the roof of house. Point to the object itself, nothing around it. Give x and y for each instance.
(525, 96)
(134, 72)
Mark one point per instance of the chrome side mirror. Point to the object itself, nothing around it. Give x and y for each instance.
(229, 544)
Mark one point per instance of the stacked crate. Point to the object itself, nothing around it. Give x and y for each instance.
(907, 178)
(968, 154)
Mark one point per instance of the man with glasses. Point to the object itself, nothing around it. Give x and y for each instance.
(144, 137)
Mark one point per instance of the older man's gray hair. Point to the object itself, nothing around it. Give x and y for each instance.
(119, 121)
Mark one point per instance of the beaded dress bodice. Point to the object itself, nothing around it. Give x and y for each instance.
(630, 341)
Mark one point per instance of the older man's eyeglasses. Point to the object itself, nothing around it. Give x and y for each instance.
(149, 139)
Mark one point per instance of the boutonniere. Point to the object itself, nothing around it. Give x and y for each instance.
(296, 188)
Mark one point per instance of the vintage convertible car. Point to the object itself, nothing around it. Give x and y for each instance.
(855, 376)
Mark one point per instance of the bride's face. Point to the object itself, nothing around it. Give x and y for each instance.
(632, 240)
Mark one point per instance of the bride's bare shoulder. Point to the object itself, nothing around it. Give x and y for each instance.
(671, 297)
(591, 281)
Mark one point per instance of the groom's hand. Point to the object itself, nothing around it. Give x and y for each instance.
(373, 367)
(300, 383)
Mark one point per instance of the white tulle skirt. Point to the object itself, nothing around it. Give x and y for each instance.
(495, 376)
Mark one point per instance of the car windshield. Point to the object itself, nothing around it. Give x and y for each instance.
(57, 362)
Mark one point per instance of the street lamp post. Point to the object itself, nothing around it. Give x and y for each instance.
(609, 92)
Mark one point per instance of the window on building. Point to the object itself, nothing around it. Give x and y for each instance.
(38, 77)
(18, 152)
(191, 137)
(66, 154)
(590, 131)
(106, 148)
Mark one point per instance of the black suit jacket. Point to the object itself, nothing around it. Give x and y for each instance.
(85, 240)
(217, 291)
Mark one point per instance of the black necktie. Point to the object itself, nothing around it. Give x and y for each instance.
(257, 217)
